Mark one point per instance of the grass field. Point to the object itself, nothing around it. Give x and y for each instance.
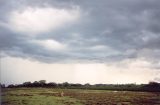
(48, 96)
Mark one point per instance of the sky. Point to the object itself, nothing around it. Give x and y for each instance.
(80, 41)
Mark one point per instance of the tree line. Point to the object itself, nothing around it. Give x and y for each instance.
(151, 86)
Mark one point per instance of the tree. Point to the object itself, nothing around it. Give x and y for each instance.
(27, 84)
(65, 84)
(42, 82)
(35, 84)
(76, 85)
(87, 85)
(11, 86)
(2, 85)
(152, 86)
(52, 84)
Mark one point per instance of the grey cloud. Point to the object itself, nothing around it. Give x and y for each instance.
(120, 25)
(157, 79)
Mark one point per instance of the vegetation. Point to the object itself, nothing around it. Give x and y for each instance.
(52, 96)
(42, 93)
(34, 96)
(2, 85)
(150, 87)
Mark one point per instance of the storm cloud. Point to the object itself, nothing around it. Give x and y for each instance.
(64, 31)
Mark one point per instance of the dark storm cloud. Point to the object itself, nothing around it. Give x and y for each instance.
(109, 30)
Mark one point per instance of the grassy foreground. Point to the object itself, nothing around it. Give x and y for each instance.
(49, 96)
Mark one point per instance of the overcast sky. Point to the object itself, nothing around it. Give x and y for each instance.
(80, 41)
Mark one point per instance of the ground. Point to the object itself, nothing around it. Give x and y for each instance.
(50, 96)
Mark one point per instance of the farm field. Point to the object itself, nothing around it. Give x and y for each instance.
(49, 96)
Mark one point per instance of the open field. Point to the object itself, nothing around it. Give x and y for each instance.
(48, 96)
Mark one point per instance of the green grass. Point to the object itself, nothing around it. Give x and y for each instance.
(49, 96)
(31, 96)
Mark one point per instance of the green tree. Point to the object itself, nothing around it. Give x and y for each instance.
(27, 84)
(65, 84)
(42, 82)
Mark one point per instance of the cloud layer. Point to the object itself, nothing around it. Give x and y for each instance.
(39, 20)
(54, 31)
